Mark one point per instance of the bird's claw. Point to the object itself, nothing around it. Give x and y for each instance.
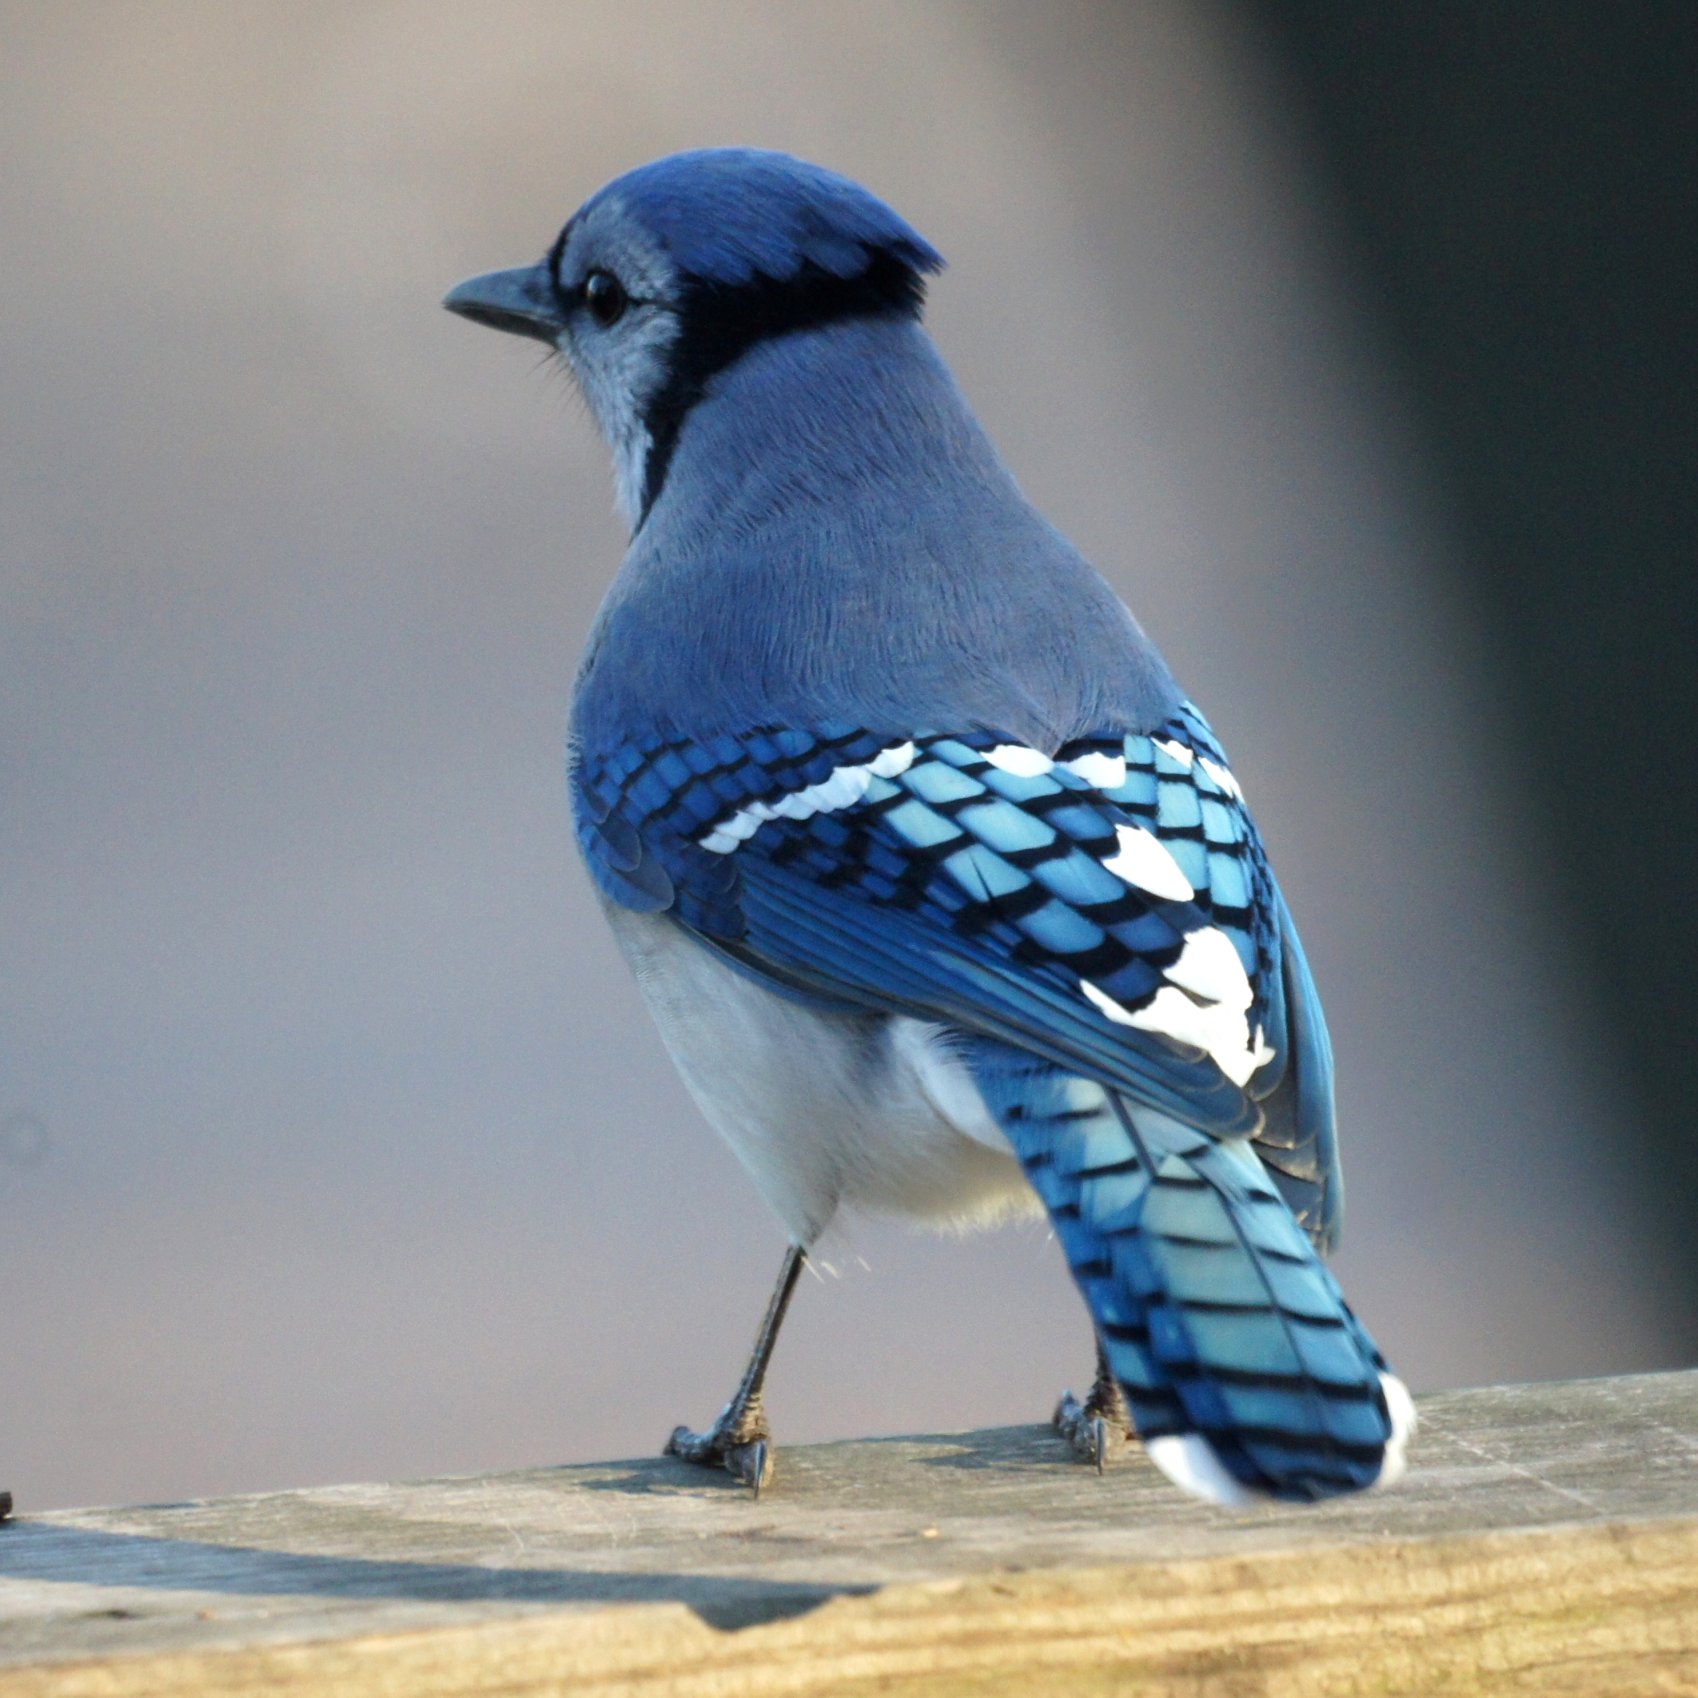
(1089, 1431)
(751, 1463)
(746, 1455)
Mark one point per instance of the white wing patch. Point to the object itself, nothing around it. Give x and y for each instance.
(1100, 771)
(1141, 858)
(843, 789)
(1221, 777)
(1208, 968)
(1205, 1003)
(1016, 758)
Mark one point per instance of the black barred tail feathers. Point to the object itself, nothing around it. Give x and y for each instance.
(1246, 1372)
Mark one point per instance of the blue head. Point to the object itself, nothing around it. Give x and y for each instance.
(668, 274)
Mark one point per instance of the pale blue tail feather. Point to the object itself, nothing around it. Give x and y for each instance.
(1216, 1315)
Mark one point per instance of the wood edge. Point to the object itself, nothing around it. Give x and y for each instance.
(1451, 1613)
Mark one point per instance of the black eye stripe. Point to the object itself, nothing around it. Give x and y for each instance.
(556, 254)
(578, 294)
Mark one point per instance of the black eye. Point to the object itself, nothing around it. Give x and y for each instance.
(605, 296)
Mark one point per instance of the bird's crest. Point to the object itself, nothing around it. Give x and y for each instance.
(732, 216)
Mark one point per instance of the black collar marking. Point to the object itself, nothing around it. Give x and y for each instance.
(720, 323)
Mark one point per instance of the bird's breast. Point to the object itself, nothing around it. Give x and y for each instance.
(823, 1108)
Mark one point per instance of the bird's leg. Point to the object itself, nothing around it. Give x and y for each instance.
(740, 1440)
(1101, 1427)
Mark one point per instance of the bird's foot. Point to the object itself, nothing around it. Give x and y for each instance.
(1099, 1429)
(739, 1442)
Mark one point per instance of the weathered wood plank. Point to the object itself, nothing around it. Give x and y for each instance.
(1546, 1540)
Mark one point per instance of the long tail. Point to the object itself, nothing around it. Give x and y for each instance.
(1246, 1372)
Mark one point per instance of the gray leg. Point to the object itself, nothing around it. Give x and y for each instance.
(740, 1441)
(1101, 1427)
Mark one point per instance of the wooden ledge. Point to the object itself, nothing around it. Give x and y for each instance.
(1546, 1540)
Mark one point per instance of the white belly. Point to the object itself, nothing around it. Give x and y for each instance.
(824, 1108)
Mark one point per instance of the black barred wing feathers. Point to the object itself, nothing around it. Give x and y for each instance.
(1106, 906)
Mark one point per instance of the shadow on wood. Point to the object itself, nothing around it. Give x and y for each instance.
(1546, 1538)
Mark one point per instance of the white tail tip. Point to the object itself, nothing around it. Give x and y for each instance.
(1190, 1463)
(1400, 1406)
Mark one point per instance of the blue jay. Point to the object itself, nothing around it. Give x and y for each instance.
(944, 897)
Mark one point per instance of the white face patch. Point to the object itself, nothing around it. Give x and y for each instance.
(618, 376)
(621, 368)
(1142, 860)
(1100, 771)
(1017, 759)
(843, 789)
(1208, 966)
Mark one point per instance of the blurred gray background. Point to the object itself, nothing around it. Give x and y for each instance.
(334, 1142)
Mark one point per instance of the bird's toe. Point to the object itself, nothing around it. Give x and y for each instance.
(746, 1454)
(1094, 1434)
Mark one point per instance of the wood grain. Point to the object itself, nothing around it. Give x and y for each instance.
(1546, 1541)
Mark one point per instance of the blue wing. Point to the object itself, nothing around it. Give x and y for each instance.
(1106, 906)
(1100, 924)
